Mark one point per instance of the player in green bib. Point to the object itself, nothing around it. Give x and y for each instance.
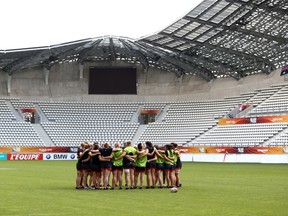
(129, 164)
(178, 164)
(117, 166)
(169, 170)
(140, 165)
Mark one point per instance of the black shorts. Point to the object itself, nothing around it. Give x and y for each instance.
(178, 164)
(86, 166)
(79, 166)
(106, 165)
(95, 168)
(140, 169)
(129, 165)
(168, 167)
(160, 166)
(151, 165)
(119, 168)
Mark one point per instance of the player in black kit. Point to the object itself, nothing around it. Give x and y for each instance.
(150, 165)
(79, 167)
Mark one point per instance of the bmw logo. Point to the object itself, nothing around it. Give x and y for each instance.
(72, 156)
(48, 156)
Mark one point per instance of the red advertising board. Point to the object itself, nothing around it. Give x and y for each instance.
(237, 150)
(25, 156)
(143, 111)
(37, 153)
(253, 120)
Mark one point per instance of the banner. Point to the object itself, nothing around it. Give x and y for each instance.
(236, 150)
(189, 149)
(266, 150)
(253, 120)
(144, 111)
(30, 110)
(232, 121)
(3, 157)
(271, 119)
(25, 156)
(59, 156)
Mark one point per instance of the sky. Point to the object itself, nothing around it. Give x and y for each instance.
(33, 23)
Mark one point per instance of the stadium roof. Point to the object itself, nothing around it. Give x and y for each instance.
(219, 38)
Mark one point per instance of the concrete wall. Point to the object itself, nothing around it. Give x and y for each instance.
(155, 85)
(3, 85)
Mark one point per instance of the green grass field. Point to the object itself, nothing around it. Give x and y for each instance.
(47, 188)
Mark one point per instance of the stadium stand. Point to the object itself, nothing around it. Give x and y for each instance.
(73, 133)
(78, 122)
(18, 134)
(240, 135)
(185, 122)
(5, 112)
(86, 112)
(275, 103)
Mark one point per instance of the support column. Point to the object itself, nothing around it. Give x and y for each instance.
(9, 80)
(210, 83)
(269, 69)
(81, 66)
(46, 75)
(146, 74)
(180, 79)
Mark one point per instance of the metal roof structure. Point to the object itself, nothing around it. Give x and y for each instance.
(218, 38)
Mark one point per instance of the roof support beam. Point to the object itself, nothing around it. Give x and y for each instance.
(174, 59)
(87, 48)
(22, 62)
(112, 49)
(222, 49)
(141, 57)
(46, 73)
(197, 69)
(46, 57)
(226, 67)
(81, 66)
(264, 5)
(200, 61)
(9, 81)
(236, 27)
(209, 63)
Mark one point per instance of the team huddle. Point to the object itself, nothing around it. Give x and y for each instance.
(95, 165)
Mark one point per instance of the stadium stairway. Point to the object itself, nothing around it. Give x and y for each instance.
(40, 113)
(138, 133)
(42, 134)
(163, 113)
(135, 115)
(244, 112)
(262, 96)
(275, 139)
(17, 114)
(201, 135)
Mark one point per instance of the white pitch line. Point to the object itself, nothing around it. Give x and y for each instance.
(7, 168)
(42, 214)
(48, 214)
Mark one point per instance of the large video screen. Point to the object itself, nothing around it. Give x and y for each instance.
(112, 80)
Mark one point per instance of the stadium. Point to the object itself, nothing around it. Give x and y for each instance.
(214, 82)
